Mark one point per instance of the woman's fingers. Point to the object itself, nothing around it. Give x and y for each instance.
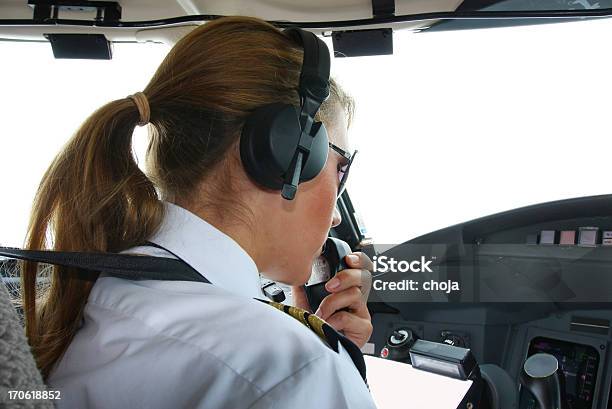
(355, 328)
(350, 298)
(357, 276)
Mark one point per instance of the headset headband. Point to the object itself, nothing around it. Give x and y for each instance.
(314, 78)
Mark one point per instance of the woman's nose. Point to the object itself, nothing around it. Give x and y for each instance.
(336, 219)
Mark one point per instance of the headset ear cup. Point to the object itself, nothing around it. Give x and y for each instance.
(318, 153)
(268, 142)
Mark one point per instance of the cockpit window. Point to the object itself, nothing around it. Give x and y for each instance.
(43, 102)
(458, 125)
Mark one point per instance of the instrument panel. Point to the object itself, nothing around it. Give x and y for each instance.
(579, 365)
(534, 279)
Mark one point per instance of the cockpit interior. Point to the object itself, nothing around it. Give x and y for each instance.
(481, 196)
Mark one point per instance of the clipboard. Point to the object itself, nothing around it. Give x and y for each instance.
(396, 385)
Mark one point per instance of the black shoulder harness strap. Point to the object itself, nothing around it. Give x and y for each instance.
(137, 267)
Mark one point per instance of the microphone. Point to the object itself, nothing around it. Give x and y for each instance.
(292, 178)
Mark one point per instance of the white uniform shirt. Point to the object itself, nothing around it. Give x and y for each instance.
(175, 344)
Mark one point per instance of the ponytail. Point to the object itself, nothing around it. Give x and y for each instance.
(92, 198)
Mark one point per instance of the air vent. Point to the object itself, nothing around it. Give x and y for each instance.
(591, 325)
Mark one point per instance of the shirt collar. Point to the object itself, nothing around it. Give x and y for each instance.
(211, 252)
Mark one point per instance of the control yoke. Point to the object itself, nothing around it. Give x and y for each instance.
(542, 376)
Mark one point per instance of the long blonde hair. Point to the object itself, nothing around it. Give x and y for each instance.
(95, 198)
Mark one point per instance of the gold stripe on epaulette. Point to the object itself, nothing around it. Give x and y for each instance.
(276, 305)
(311, 321)
(316, 323)
(298, 314)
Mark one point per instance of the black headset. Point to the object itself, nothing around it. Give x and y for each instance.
(281, 145)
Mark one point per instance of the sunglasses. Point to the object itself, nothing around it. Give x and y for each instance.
(344, 167)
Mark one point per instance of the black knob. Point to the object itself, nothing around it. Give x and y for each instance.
(399, 337)
(398, 345)
(450, 338)
(542, 376)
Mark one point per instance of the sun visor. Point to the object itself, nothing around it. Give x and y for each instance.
(358, 43)
(80, 46)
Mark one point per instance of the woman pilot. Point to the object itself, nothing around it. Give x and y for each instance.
(117, 343)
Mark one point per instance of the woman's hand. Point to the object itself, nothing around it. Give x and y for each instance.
(349, 289)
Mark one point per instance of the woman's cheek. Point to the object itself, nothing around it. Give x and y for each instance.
(327, 203)
(326, 198)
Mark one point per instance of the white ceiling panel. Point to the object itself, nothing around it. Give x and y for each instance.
(145, 10)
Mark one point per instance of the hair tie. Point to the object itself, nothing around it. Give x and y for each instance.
(141, 102)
